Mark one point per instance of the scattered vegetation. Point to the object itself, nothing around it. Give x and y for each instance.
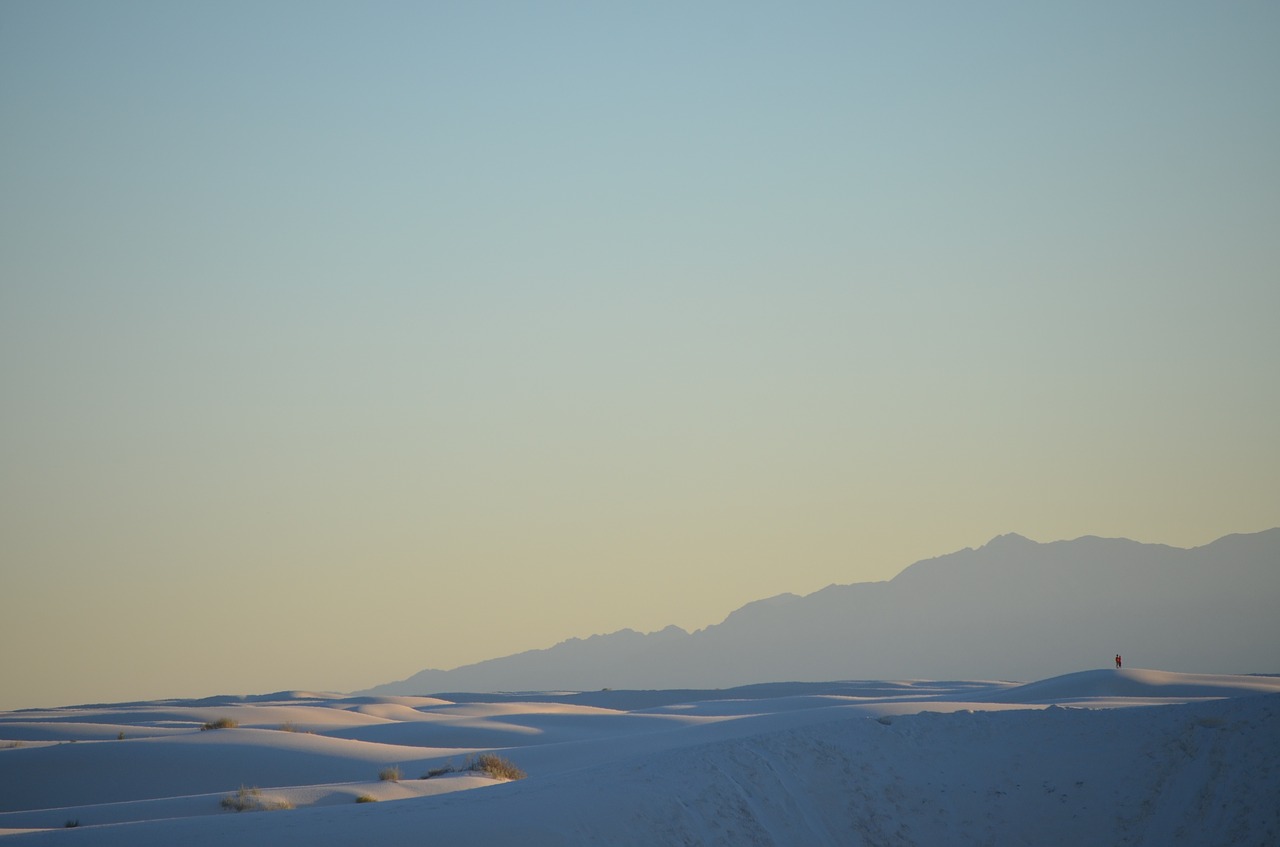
(391, 774)
(11, 745)
(366, 798)
(251, 800)
(221, 723)
(72, 823)
(494, 766)
(489, 764)
(120, 737)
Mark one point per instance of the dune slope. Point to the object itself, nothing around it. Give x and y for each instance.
(1188, 761)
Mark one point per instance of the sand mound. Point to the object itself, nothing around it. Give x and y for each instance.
(1134, 684)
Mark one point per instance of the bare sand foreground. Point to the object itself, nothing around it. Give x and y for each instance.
(1097, 757)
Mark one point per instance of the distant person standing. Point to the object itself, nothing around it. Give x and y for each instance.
(1117, 660)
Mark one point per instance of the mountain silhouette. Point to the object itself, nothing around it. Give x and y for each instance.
(1013, 609)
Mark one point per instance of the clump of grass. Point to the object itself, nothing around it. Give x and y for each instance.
(391, 774)
(221, 723)
(251, 800)
(290, 726)
(243, 800)
(120, 737)
(366, 798)
(434, 772)
(72, 823)
(494, 766)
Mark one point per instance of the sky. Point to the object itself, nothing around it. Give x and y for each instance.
(343, 340)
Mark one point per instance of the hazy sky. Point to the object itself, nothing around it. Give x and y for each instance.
(340, 340)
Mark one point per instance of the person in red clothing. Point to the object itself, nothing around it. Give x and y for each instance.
(1117, 660)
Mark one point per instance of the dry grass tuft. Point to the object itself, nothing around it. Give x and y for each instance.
(251, 800)
(495, 767)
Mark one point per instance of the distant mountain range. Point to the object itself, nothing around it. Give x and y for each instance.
(1013, 609)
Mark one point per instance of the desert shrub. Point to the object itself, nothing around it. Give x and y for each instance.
(391, 774)
(221, 723)
(496, 767)
(366, 798)
(72, 823)
(251, 800)
(439, 771)
(120, 737)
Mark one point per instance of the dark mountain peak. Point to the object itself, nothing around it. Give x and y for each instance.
(1009, 541)
(761, 608)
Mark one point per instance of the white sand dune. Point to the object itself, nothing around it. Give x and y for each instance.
(334, 714)
(1135, 684)
(58, 731)
(195, 763)
(1188, 761)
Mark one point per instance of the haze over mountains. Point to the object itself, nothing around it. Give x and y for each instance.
(1012, 609)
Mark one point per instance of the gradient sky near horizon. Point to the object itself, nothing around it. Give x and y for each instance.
(341, 340)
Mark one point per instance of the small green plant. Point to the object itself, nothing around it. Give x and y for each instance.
(494, 766)
(366, 798)
(391, 774)
(221, 723)
(251, 800)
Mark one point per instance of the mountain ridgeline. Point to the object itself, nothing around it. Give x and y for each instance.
(1013, 609)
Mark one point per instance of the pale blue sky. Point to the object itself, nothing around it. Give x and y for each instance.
(341, 340)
